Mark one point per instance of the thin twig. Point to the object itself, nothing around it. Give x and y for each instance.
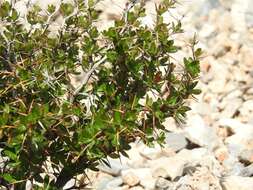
(74, 13)
(49, 19)
(87, 77)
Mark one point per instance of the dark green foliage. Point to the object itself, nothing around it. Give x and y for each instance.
(43, 117)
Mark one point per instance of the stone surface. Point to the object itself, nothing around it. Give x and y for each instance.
(194, 155)
(114, 183)
(171, 167)
(136, 160)
(143, 174)
(28, 185)
(130, 178)
(162, 183)
(247, 171)
(247, 156)
(238, 183)
(175, 141)
(101, 184)
(115, 167)
(151, 152)
(200, 179)
(241, 141)
(221, 154)
(201, 134)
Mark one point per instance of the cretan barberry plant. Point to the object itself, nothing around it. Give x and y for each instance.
(51, 130)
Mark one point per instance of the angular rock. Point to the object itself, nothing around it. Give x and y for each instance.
(170, 124)
(246, 156)
(201, 134)
(28, 185)
(232, 124)
(200, 179)
(175, 141)
(148, 184)
(232, 165)
(203, 108)
(223, 132)
(68, 185)
(135, 160)
(102, 182)
(151, 152)
(115, 169)
(194, 155)
(130, 178)
(241, 141)
(207, 30)
(201, 7)
(221, 154)
(162, 184)
(145, 176)
(237, 183)
(114, 183)
(247, 108)
(231, 107)
(247, 171)
(171, 167)
(241, 14)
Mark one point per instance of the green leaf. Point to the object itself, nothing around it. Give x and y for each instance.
(112, 56)
(172, 49)
(196, 91)
(51, 8)
(161, 138)
(10, 154)
(198, 52)
(184, 109)
(192, 66)
(21, 128)
(14, 15)
(114, 155)
(149, 131)
(5, 9)
(142, 14)
(67, 9)
(90, 3)
(117, 117)
(177, 28)
(111, 33)
(8, 177)
(152, 48)
(131, 17)
(14, 164)
(6, 109)
(94, 32)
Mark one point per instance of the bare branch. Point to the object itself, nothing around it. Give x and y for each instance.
(75, 12)
(51, 17)
(87, 77)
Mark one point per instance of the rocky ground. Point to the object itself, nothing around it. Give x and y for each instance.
(214, 149)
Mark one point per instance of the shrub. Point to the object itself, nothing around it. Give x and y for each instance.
(51, 129)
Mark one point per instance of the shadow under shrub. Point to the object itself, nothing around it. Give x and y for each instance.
(51, 129)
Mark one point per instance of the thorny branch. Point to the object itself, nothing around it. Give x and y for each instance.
(86, 78)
